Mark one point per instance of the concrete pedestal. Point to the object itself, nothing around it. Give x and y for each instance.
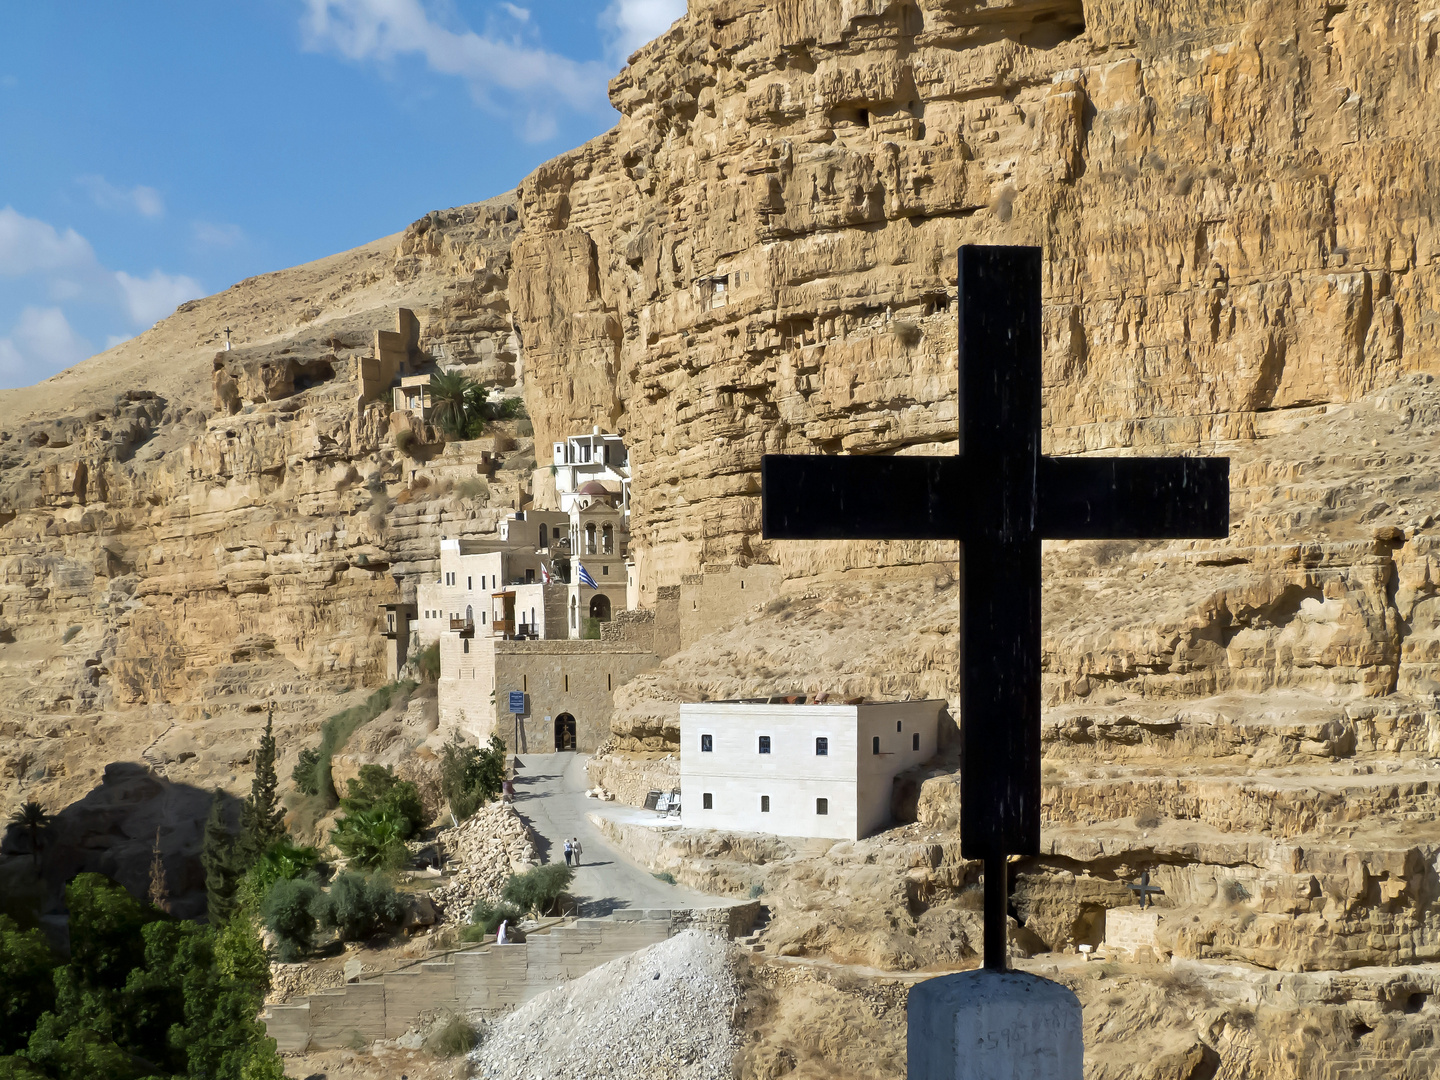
(992, 1025)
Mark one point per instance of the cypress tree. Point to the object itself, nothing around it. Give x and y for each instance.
(262, 820)
(220, 861)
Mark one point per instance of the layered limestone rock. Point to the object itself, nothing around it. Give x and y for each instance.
(760, 256)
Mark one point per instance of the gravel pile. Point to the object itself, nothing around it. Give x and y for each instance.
(483, 851)
(663, 1013)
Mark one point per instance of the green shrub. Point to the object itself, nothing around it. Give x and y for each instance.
(405, 441)
(288, 912)
(69, 635)
(590, 629)
(373, 839)
(359, 907)
(306, 772)
(428, 662)
(377, 787)
(488, 916)
(756, 890)
(469, 776)
(281, 861)
(665, 876)
(537, 890)
(452, 1038)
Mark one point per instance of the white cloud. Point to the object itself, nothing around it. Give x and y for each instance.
(383, 30)
(42, 338)
(151, 299)
(211, 234)
(517, 12)
(28, 246)
(145, 201)
(632, 23)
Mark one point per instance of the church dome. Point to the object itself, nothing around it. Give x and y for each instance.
(593, 487)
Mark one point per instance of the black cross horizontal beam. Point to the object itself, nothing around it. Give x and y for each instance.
(809, 497)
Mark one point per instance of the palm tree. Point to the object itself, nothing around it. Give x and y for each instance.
(450, 395)
(32, 818)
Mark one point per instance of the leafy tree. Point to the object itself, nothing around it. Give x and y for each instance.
(211, 1017)
(239, 954)
(469, 776)
(221, 860)
(142, 996)
(262, 818)
(305, 774)
(26, 989)
(32, 818)
(96, 1028)
(538, 889)
(288, 912)
(360, 907)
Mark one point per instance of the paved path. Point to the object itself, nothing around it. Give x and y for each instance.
(550, 796)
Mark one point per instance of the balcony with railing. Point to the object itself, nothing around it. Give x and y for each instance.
(464, 627)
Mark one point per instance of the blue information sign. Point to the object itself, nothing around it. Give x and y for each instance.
(517, 701)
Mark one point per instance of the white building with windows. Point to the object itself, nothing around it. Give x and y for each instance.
(799, 769)
(586, 464)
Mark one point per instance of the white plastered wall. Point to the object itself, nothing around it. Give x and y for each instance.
(855, 782)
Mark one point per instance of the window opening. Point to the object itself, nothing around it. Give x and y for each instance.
(822, 746)
(875, 745)
(707, 743)
(764, 804)
(764, 744)
(915, 741)
(707, 801)
(822, 807)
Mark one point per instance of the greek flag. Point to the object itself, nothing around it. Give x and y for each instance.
(585, 578)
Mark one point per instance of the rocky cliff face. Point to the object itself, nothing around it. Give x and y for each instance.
(1237, 208)
(761, 255)
(1237, 237)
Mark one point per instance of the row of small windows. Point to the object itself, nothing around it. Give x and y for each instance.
(822, 744)
(707, 802)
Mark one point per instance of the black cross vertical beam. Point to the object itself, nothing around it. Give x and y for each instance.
(1000, 497)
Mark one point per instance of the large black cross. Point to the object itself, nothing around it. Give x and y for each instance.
(1000, 497)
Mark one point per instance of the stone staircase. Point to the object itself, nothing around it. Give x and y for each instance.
(490, 978)
(751, 941)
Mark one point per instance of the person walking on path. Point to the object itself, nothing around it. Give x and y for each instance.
(568, 852)
(500, 935)
(573, 845)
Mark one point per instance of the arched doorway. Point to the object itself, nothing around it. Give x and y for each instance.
(600, 607)
(564, 732)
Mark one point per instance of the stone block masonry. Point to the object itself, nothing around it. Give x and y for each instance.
(559, 678)
(491, 979)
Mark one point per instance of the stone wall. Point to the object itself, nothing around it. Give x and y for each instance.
(721, 597)
(557, 676)
(492, 979)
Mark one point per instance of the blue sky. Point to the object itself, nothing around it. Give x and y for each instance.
(157, 151)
